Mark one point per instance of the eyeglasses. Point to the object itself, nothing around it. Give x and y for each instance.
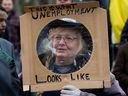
(67, 39)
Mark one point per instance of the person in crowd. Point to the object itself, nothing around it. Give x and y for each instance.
(66, 50)
(12, 33)
(121, 67)
(7, 61)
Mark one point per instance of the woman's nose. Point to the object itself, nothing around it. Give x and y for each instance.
(62, 41)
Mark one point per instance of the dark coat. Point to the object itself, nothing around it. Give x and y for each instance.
(12, 33)
(121, 67)
(6, 88)
(49, 62)
(124, 34)
(11, 82)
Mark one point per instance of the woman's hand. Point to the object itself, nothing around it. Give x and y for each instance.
(70, 90)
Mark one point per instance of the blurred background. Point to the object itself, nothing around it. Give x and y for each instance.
(19, 4)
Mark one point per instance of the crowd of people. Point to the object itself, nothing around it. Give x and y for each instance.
(66, 52)
(10, 82)
(12, 32)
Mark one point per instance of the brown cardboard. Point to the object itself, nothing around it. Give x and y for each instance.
(96, 71)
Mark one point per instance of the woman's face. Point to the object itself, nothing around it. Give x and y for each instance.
(66, 42)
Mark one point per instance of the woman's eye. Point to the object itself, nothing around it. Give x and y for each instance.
(57, 37)
(69, 38)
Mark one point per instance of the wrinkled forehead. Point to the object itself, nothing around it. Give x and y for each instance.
(64, 30)
(3, 15)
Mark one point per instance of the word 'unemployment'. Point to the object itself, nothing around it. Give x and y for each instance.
(54, 13)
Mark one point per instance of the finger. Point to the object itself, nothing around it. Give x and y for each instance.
(69, 87)
(68, 92)
(65, 95)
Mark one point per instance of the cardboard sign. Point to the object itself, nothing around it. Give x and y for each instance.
(46, 66)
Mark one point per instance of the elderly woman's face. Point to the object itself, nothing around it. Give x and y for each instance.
(66, 42)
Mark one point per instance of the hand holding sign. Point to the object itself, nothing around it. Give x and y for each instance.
(70, 90)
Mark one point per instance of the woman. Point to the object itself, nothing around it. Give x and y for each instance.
(66, 48)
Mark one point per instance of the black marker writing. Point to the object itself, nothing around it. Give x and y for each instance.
(49, 79)
(54, 13)
(81, 76)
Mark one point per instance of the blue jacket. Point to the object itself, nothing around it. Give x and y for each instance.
(11, 82)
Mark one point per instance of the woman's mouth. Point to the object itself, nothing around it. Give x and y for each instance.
(60, 50)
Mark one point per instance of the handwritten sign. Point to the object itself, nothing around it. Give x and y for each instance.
(61, 12)
(41, 26)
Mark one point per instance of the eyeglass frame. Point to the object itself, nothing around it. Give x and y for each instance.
(67, 39)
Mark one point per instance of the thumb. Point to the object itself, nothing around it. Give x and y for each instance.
(69, 87)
